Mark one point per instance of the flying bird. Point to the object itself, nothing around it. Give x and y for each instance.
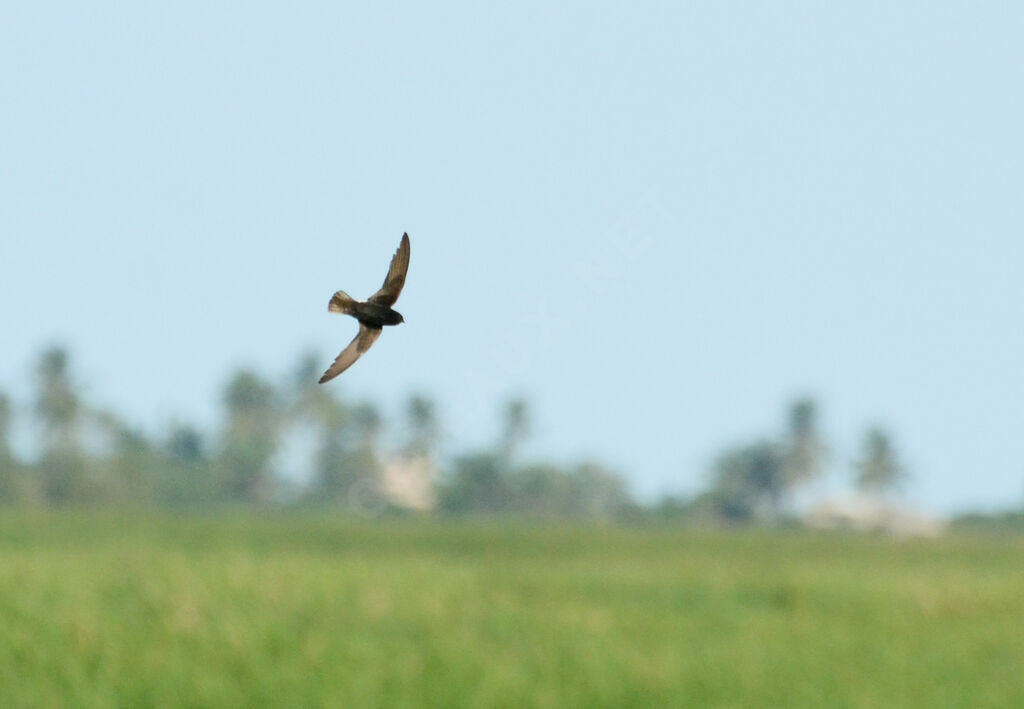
(373, 313)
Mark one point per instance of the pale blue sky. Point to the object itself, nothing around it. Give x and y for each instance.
(659, 224)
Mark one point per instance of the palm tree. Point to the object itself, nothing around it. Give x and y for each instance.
(254, 420)
(58, 408)
(878, 470)
(423, 426)
(186, 479)
(515, 427)
(8, 466)
(129, 470)
(804, 450)
(5, 427)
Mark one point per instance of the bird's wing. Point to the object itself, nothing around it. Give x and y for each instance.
(360, 343)
(388, 293)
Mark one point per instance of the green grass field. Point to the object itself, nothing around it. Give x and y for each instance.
(106, 611)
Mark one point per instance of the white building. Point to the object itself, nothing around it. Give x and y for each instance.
(410, 483)
(865, 513)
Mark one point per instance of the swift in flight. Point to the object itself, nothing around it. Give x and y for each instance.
(373, 313)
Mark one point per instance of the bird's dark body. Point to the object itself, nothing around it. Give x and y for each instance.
(375, 315)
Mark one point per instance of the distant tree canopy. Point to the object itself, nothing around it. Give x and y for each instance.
(495, 482)
(748, 482)
(353, 459)
(88, 456)
(754, 481)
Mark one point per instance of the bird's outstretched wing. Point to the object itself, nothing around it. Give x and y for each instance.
(388, 293)
(360, 343)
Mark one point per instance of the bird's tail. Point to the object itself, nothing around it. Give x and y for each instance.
(341, 302)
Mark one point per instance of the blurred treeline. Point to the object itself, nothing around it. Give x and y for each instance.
(85, 456)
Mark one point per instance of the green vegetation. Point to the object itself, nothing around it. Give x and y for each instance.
(98, 610)
(354, 458)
